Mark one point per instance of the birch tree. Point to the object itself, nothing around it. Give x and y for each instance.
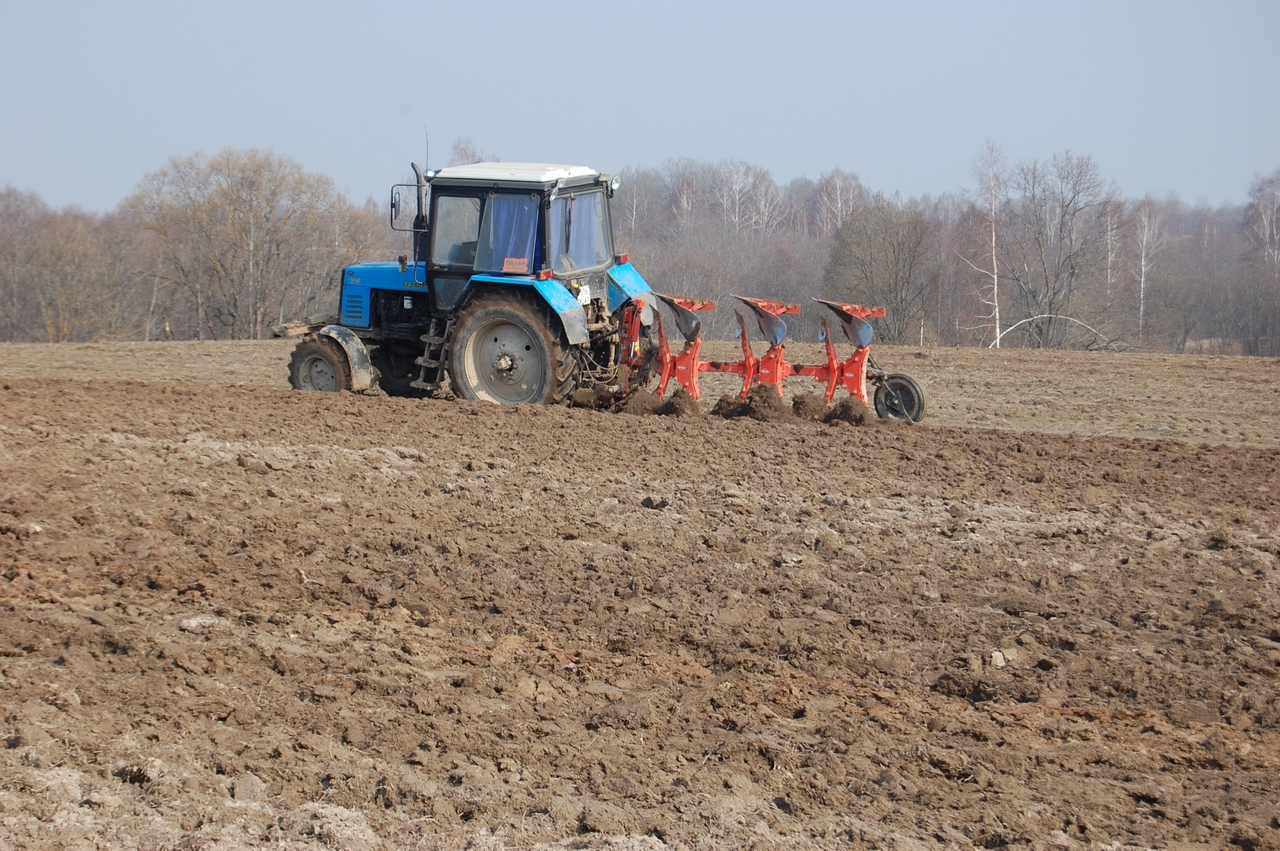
(1149, 235)
(1262, 220)
(834, 199)
(989, 170)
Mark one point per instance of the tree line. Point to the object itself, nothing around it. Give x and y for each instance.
(1039, 253)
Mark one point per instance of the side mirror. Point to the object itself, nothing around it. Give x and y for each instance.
(403, 211)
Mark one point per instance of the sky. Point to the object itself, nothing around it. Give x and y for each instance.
(1176, 97)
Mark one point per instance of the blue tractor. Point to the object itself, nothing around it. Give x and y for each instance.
(513, 294)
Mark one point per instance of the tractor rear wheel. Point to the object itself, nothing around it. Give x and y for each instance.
(318, 364)
(899, 397)
(509, 351)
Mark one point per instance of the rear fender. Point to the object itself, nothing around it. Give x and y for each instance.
(572, 317)
(625, 284)
(357, 355)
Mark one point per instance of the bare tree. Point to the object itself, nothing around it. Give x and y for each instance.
(1053, 239)
(1149, 236)
(989, 169)
(834, 198)
(687, 187)
(733, 187)
(465, 152)
(638, 201)
(1262, 220)
(245, 236)
(883, 255)
(23, 215)
(769, 207)
(1262, 229)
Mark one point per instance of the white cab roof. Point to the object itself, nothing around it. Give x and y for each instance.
(522, 172)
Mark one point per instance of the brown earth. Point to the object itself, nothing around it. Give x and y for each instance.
(236, 615)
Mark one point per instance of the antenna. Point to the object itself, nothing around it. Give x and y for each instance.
(426, 143)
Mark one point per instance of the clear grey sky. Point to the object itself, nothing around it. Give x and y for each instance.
(1177, 96)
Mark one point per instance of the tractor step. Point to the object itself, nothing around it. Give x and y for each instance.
(434, 356)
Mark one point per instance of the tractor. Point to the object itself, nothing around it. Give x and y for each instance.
(514, 294)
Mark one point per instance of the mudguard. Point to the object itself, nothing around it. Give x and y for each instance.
(572, 316)
(357, 355)
(625, 283)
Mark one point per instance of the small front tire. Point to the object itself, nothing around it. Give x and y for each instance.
(319, 365)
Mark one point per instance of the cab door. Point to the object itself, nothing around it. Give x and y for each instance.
(455, 233)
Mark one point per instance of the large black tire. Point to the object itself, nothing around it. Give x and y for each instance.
(397, 370)
(899, 397)
(319, 364)
(512, 352)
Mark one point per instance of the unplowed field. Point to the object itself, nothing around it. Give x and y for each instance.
(239, 616)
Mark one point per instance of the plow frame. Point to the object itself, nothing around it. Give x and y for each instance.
(772, 368)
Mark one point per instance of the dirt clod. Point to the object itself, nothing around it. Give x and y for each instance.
(764, 404)
(729, 407)
(809, 406)
(849, 410)
(640, 403)
(680, 404)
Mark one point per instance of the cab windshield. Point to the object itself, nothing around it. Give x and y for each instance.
(578, 236)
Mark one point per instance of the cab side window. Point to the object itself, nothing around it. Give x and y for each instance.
(455, 229)
(509, 234)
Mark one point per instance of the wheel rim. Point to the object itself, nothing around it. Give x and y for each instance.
(900, 400)
(504, 364)
(318, 375)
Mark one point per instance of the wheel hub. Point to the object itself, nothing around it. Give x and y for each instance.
(504, 363)
(321, 377)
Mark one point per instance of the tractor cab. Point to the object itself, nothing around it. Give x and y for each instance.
(517, 219)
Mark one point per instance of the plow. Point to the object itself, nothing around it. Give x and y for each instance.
(895, 396)
(514, 294)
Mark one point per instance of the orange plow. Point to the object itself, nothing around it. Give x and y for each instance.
(896, 396)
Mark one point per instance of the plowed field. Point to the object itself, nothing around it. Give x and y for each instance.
(239, 616)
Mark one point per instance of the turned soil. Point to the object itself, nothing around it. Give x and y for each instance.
(235, 615)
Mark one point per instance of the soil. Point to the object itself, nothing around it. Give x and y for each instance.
(241, 616)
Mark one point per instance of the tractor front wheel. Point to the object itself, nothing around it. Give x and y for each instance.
(318, 364)
(512, 352)
(899, 397)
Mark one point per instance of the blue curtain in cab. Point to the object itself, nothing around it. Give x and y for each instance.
(512, 225)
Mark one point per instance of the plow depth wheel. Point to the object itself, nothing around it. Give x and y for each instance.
(899, 397)
(319, 365)
(505, 350)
